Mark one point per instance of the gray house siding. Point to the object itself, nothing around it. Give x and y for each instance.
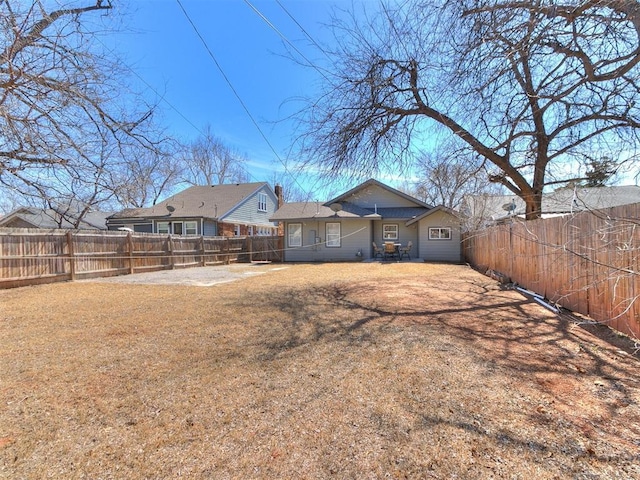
(373, 195)
(405, 234)
(247, 213)
(440, 250)
(355, 236)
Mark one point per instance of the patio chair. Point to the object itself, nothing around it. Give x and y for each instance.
(390, 250)
(405, 250)
(377, 251)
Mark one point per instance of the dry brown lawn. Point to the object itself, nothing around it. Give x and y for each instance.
(314, 371)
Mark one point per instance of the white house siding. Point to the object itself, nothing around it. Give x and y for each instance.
(440, 250)
(405, 234)
(355, 237)
(246, 213)
(373, 195)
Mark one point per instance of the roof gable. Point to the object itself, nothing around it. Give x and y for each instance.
(372, 194)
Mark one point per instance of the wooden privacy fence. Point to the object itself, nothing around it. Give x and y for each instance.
(587, 262)
(32, 256)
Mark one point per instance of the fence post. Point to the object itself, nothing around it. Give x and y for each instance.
(130, 242)
(170, 251)
(72, 261)
(202, 262)
(227, 250)
(250, 248)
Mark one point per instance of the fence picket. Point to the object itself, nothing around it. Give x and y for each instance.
(588, 262)
(33, 256)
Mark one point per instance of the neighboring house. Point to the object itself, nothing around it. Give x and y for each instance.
(217, 210)
(344, 229)
(30, 217)
(484, 210)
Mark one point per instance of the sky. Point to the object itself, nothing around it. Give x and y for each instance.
(238, 77)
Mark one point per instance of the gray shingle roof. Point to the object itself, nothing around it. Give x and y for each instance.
(48, 218)
(213, 201)
(561, 201)
(304, 210)
(402, 212)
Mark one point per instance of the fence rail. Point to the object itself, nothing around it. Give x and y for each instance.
(33, 256)
(588, 262)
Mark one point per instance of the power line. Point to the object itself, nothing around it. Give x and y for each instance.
(237, 95)
(163, 99)
(303, 30)
(281, 35)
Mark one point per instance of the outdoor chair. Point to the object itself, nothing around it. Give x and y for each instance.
(377, 251)
(405, 250)
(390, 250)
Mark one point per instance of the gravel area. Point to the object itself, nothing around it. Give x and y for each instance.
(197, 277)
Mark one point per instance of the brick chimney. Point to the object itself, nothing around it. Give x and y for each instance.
(278, 192)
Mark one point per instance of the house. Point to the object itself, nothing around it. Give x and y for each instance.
(484, 210)
(213, 210)
(344, 228)
(30, 217)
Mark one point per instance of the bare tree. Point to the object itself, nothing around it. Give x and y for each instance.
(144, 178)
(528, 86)
(65, 123)
(450, 172)
(292, 191)
(208, 161)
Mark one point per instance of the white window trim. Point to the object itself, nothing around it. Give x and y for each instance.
(190, 225)
(328, 243)
(262, 202)
(439, 236)
(298, 242)
(164, 224)
(384, 233)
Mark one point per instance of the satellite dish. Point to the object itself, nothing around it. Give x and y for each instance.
(171, 208)
(336, 207)
(509, 207)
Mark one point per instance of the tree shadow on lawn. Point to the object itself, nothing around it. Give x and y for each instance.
(577, 379)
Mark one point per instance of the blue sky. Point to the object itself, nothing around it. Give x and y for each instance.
(164, 51)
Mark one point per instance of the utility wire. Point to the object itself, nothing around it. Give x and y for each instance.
(287, 41)
(237, 95)
(163, 99)
(304, 31)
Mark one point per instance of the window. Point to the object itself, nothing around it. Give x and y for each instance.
(162, 227)
(333, 235)
(294, 234)
(190, 228)
(262, 202)
(437, 233)
(390, 232)
(236, 230)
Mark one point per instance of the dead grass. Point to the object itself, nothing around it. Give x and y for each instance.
(316, 371)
